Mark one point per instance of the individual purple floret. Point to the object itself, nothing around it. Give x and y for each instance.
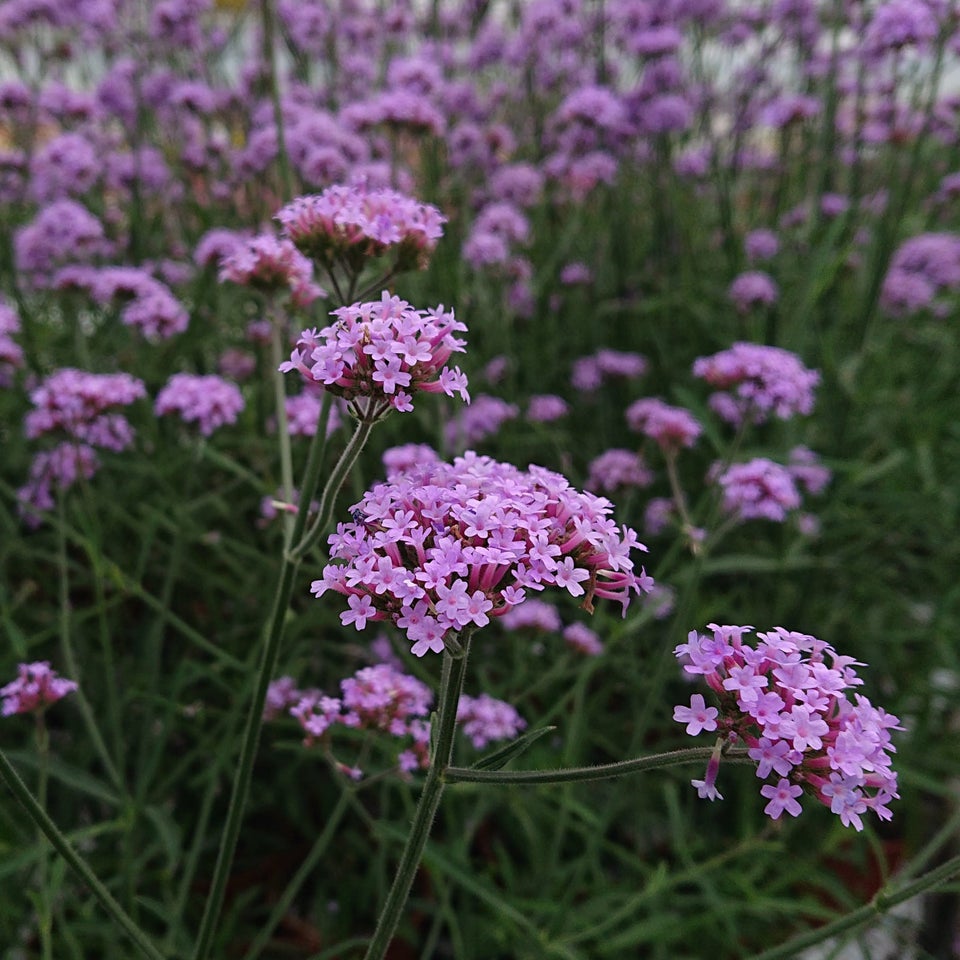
(208, 401)
(756, 382)
(759, 489)
(618, 469)
(36, 687)
(486, 719)
(445, 547)
(753, 289)
(379, 354)
(11, 354)
(669, 427)
(349, 224)
(786, 698)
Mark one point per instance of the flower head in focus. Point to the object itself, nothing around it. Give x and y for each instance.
(443, 548)
(380, 353)
(786, 697)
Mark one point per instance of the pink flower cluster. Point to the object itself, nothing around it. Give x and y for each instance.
(11, 355)
(756, 382)
(350, 224)
(786, 699)
(208, 401)
(445, 547)
(269, 264)
(669, 427)
(36, 687)
(590, 372)
(75, 405)
(379, 354)
(486, 719)
(383, 698)
(759, 490)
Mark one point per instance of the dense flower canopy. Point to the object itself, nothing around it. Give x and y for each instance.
(445, 547)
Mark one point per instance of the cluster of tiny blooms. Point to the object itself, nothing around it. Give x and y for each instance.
(591, 371)
(786, 698)
(486, 719)
(11, 355)
(669, 427)
(444, 547)
(383, 698)
(75, 406)
(36, 687)
(208, 401)
(756, 382)
(353, 223)
(380, 353)
(759, 489)
(269, 264)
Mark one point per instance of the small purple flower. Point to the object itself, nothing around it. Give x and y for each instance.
(546, 407)
(379, 354)
(669, 427)
(802, 727)
(618, 469)
(756, 382)
(443, 547)
(698, 716)
(759, 489)
(761, 245)
(36, 687)
(486, 719)
(753, 289)
(208, 401)
(579, 637)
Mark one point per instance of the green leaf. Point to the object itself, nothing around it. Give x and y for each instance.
(499, 758)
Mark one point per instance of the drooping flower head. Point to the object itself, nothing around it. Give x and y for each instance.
(36, 687)
(757, 382)
(350, 224)
(380, 353)
(444, 547)
(786, 698)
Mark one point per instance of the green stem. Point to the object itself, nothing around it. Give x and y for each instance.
(283, 428)
(271, 650)
(79, 866)
(44, 908)
(879, 904)
(454, 669)
(270, 62)
(603, 771)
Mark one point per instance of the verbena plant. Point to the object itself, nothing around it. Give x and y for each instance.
(696, 260)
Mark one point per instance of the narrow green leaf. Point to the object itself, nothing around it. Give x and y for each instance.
(499, 758)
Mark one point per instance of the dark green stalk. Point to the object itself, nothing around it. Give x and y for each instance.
(271, 650)
(879, 904)
(603, 771)
(76, 863)
(445, 722)
(270, 62)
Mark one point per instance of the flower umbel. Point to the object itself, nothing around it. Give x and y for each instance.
(786, 699)
(444, 547)
(380, 353)
(36, 687)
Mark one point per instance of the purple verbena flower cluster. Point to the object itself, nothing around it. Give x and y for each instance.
(756, 382)
(348, 224)
(759, 489)
(669, 427)
(486, 719)
(36, 687)
(269, 264)
(591, 371)
(11, 354)
(208, 401)
(786, 698)
(921, 271)
(618, 469)
(379, 354)
(444, 547)
(483, 418)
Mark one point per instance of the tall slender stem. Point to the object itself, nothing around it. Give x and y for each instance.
(451, 684)
(283, 429)
(76, 863)
(274, 637)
